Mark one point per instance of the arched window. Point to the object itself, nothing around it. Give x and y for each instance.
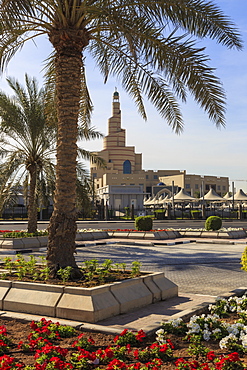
(127, 167)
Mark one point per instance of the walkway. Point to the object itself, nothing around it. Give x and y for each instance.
(198, 268)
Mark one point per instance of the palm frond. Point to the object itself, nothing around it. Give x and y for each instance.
(85, 154)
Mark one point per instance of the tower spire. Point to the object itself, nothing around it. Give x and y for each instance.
(115, 96)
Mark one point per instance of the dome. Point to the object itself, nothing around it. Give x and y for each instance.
(160, 183)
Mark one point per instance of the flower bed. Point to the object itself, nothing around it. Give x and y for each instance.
(200, 344)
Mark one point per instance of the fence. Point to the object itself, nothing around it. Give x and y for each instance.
(108, 213)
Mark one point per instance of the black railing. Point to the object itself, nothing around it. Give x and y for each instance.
(130, 213)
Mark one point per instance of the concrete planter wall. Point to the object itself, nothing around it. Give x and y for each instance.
(172, 234)
(24, 243)
(41, 241)
(85, 304)
(147, 235)
(231, 234)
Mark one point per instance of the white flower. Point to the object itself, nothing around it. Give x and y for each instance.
(194, 328)
(175, 322)
(206, 335)
(193, 318)
(244, 341)
(217, 330)
(211, 307)
(224, 342)
(160, 332)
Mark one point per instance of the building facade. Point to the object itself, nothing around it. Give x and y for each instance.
(123, 172)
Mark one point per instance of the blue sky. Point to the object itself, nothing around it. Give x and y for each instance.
(201, 148)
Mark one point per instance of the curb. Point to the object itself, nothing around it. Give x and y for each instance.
(149, 330)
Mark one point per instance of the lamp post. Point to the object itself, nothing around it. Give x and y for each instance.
(233, 196)
(173, 209)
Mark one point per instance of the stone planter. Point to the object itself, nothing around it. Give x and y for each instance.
(41, 241)
(24, 243)
(86, 304)
(38, 299)
(231, 234)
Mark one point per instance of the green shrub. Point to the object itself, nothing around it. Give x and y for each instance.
(195, 214)
(213, 223)
(127, 211)
(144, 223)
(244, 260)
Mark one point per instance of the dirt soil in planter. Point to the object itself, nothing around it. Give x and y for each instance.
(19, 330)
(112, 277)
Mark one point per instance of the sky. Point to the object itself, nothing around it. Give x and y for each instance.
(202, 148)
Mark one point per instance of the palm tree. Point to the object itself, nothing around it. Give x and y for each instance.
(27, 142)
(149, 45)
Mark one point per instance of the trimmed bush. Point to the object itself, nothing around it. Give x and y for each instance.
(143, 223)
(213, 223)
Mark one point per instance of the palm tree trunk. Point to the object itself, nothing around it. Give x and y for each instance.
(62, 227)
(32, 206)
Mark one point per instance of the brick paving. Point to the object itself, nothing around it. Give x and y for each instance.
(207, 267)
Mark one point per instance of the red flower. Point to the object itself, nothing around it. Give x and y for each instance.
(180, 361)
(234, 356)
(90, 340)
(109, 352)
(163, 348)
(205, 367)
(170, 343)
(3, 330)
(124, 332)
(210, 355)
(140, 335)
(136, 354)
(116, 364)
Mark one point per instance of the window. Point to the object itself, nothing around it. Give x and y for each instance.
(109, 161)
(187, 186)
(155, 177)
(218, 187)
(223, 187)
(196, 186)
(94, 175)
(147, 177)
(126, 167)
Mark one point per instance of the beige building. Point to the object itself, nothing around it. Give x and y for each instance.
(194, 184)
(124, 168)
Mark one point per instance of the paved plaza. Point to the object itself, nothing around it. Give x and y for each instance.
(198, 268)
